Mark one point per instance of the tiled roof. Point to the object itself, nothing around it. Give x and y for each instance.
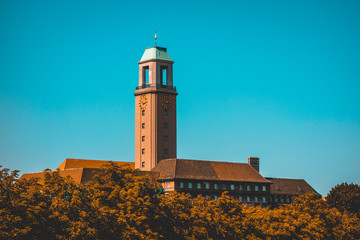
(290, 186)
(81, 170)
(207, 170)
(86, 163)
(83, 175)
(80, 175)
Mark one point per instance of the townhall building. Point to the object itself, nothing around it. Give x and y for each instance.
(156, 149)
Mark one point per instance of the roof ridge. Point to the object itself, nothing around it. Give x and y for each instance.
(287, 178)
(209, 161)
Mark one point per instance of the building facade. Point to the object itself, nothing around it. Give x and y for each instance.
(156, 149)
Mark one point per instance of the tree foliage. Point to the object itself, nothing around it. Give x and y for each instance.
(121, 204)
(345, 197)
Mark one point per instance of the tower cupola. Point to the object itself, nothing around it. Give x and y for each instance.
(155, 114)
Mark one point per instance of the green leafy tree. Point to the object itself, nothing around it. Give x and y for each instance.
(121, 203)
(308, 218)
(124, 204)
(345, 197)
(220, 219)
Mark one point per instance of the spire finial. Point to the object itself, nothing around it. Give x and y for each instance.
(155, 38)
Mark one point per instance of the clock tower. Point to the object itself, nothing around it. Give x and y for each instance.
(155, 110)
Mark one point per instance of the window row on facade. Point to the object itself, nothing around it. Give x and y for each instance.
(165, 125)
(222, 186)
(166, 151)
(143, 138)
(243, 199)
(165, 113)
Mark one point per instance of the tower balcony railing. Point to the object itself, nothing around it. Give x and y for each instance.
(156, 85)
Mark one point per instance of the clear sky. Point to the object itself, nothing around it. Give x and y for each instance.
(275, 79)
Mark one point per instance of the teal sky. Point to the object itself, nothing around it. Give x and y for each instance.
(275, 79)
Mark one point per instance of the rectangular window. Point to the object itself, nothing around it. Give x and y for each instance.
(165, 112)
(264, 200)
(207, 185)
(165, 151)
(215, 197)
(143, 138)
(240, 187)
(167, 185)
(165, 125)
(215, 186)
(264, 188)
(189, 185)
(248, 199)
(232, 187)
(248, 187)
(181, 185)
(143, 125)
(198, 185)
(143, 112)
(224, 187)
(165, 138)
(143, 151)
(256, 188)
(143, 164)
(163, 75)
(240, 198)
(256, 199)
(146, 74)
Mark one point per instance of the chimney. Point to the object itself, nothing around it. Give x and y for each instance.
(254, 162)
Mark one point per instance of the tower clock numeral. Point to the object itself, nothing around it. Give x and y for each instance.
(166, 102)
(143, 102)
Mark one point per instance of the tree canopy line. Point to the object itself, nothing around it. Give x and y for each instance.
(120, 204)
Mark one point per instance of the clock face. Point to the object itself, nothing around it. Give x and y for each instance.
(166, 102)
(143, 102)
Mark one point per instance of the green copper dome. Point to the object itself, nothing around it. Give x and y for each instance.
(155, 53)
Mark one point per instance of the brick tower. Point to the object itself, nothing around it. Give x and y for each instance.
(155, 109)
